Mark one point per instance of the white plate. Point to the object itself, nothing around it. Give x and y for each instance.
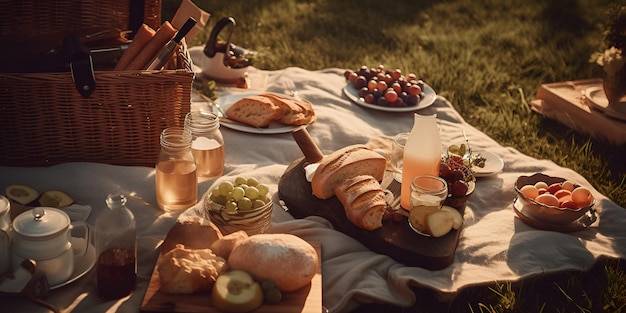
(493, 164)
(353, 94)
(225, 101)
(598, 99)
(82, 265)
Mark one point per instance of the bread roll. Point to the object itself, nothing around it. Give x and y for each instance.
(183, 270)
(193, 233)
(343, 164)
(363, 200)
(294, 112)
(257, 111)
(285, 259)
(224, 246)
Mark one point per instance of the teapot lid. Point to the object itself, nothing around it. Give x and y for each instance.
(41, 222)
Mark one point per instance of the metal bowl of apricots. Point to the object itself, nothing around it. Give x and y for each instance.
(552, 199)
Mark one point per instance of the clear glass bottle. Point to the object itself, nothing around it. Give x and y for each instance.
(176, 174)
(207, 144)
(116, 247)
(422, 154)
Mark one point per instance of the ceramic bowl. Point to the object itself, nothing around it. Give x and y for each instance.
(256, 221)
(546, 213)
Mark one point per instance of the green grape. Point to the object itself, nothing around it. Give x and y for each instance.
(265, 199)
(273, 296)
(252, 182)
(244, 186)
(257, 204)
(229, 196)
(237, 193)
(240, 180)
(454, 149)
(462, 149)
(244, 204)
(267, 285)
(220, 199)
(225, 187)
(215, 192)
(252, 193)
(263, 189)
(231, 206)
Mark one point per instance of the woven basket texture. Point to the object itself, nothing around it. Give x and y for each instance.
(45, 121)
(23, 19)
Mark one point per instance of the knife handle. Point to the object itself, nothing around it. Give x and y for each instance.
(311, 151)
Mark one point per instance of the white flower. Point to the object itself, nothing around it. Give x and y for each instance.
(612, 61)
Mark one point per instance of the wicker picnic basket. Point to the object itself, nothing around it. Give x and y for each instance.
(45, 121)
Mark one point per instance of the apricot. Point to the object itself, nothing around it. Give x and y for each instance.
(567, 185)
(582, 196)
(554, 188)
(541, 184)
(529, 191)
(548, 199)
(562, 193)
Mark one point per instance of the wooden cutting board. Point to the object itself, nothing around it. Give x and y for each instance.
(305, 300)
(395, 239)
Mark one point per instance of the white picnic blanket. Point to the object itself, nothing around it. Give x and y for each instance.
(494, 243)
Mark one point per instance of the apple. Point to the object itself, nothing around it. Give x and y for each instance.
(236, 291)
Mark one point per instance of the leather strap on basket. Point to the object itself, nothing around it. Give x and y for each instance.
(81, 65)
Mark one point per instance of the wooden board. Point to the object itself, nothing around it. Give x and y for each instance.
(305, 300)
(566, 103)
(395, 239)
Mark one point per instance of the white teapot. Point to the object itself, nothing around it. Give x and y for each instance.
(44, 235)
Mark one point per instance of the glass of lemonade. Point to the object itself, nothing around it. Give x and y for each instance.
(428, 194)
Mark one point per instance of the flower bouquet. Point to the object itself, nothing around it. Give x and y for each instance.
(611, 56)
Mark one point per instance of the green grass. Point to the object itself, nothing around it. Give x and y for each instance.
(488, 58)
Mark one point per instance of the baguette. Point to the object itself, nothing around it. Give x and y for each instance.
(257, 111)
(142, 37)
(344, 164)
(162, 36)
(363, 200)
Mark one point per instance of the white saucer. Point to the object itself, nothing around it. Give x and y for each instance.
(82, 265)
(598, 99)
(493, 164)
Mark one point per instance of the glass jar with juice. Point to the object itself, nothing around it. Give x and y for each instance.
(176, 174)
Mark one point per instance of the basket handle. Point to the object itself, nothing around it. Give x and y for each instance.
(210, 48)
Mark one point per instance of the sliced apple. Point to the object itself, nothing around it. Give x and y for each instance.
(439, 223)
(21, 194)
(236, 291)
(456, 216)
(55, 199)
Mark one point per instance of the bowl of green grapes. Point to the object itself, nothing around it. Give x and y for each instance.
(240, 204)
